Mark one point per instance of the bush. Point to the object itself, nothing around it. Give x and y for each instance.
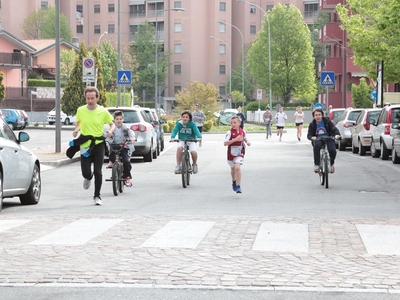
(32, 82)
(171, 125)
(207, 125)
(166, 128)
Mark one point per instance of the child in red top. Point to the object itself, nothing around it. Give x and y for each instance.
(235, 139)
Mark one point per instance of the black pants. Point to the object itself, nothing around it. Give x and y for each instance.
(331, 149)
(126, 161)
(97, 158)
(200, 128)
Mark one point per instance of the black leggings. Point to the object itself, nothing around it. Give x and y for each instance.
(97, 158)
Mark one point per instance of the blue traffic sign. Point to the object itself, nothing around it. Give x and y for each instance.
(124, 77)
(328, 78)
(319, 105)
(372, 95)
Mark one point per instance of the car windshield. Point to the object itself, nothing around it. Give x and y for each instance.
(396, 116)
(130, 116)
(373, 115)
(353, 115)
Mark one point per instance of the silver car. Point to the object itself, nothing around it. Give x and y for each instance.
(344, 123)
(19, 168)
(361, 132)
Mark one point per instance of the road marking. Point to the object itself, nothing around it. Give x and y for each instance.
(282, 237)
(78, 232)
(179, 234)
(380, 239)
(8, 224)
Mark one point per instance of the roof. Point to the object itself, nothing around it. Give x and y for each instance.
(43, 45)
(20, 44)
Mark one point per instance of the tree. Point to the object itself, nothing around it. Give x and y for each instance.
(41, 24)
(361, 93)
(204, 94)
(144, 51)
(292, 61)
(67, 63)
(73, 96)
(2, 87)
(100, 84)
(237, 98)
(373, 32)
(109, 62)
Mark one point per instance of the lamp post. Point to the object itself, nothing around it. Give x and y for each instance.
(230, 62)
(269, 48)
(241, 34)
(156, 64)
(98, 42)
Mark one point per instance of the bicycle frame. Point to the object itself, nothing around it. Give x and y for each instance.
(117, 171)
(324, 165)
(186, 166)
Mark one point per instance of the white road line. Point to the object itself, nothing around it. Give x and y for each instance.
(8, 224)
(380, 239)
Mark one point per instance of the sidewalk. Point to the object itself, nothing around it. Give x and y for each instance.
(48, 156)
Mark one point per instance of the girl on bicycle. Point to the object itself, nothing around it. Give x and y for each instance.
(186, 129)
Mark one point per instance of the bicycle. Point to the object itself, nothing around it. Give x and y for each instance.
(118, 182)
(324, 165)
(186, 166)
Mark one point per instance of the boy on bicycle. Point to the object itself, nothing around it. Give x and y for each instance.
(186, 129)
(124, 136)
(322, 126)
(235, 139)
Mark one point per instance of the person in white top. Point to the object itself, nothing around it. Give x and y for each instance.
(298, 120)
(281, 118)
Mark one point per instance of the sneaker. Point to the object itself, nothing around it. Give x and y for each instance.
(316, 169)
(234, 187)
(195, 169)
(97, 200)
(332, 169)
(86, 183)
(178, 170)
(110, 165)
(128, 182)
(238, 190)
(280, 140)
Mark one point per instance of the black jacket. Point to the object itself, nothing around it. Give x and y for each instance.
(332, 130)
(75, 144)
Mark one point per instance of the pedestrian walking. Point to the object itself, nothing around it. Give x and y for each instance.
(298, 120)
(241, 116)
(235, 139)
(280, 118)
(267, 117)
(198, 117)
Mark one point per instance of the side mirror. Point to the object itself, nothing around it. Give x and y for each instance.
(156, 122)
(372, 121)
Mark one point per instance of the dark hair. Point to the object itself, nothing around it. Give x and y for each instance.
(90, 89)
(118, 113)
(319, 110)
(186, 112)
(198, 105)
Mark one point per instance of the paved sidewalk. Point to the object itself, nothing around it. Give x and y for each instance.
(48, 156)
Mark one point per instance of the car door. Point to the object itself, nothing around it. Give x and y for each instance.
(380, 127)
(355, 130)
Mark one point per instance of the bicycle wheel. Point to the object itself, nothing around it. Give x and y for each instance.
(115, 178)
(121, 181)
(184, 170)
(189, 170)
(321, 170)
(326, 167)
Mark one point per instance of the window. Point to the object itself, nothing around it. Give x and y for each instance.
(0, 4)
(133, 29)
(221, 27)
(222, 49)
(97, 8)
(177, 88)
(177, 4)
(79, 28)
(270, 7)
(221, 69)
(44, 4)
(310, 10)
(111, 28)
(97, 29)
(222, 6)
(111, 7)
(253, 29)
(177, 48)
(222, 90)
(79, 8)
(178, 27)
(177, 69)
(252, 9)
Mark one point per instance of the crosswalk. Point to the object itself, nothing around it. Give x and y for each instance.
(188, 234)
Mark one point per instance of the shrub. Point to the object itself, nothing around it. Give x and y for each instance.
(207, 125)
(166, 128)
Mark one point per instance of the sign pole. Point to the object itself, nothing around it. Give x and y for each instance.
(327, 99)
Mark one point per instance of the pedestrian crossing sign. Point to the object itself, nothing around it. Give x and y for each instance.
(124, 77)
(328, 78)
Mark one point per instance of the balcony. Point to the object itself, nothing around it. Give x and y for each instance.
(14, 60)
(329, 5)
(334, 64)
(331, 33)
(137, 14)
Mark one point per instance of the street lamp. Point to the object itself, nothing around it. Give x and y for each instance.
(98, 42)
(230, 63)
(269, 48)
(156, 42)
(241, 34)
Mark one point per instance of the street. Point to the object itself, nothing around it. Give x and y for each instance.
(284, 233)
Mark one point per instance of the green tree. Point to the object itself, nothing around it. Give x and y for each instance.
(237, 99)
(109, 62)
(73, 96)
(373, 32)
(67, 63)
(144, 51)
(292, 60)
(361, 98)
(100, 84)
(41, 24)
(2, 87)
(206, 94)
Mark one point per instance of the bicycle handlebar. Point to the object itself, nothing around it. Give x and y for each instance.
(326, 137)
(185, 140)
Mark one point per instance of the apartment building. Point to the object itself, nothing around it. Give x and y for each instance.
(186, 34)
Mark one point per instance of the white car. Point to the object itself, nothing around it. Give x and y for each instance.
(65, 119)
(19, 168)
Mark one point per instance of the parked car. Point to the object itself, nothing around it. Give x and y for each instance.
(361, 132)
(344, 123)
(19, 168)
(156, 126)
(335, 113)
(146, 137)
(26, 118)
(382, 136)
(1, 114)
(159, 129)
(396, 144)
(13, 118)
(65, 119)
(224, 116)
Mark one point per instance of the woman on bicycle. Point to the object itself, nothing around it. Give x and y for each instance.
(322, 126)
(186, 129)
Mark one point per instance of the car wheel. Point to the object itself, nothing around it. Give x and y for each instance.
(67, 121)
(154, 153)
(162, 145)
(158, 149)
(362, 149)
(13, 126)
(354, 149)
(395, 158)
(384, 151)
(342, 146)
(51, 123)
(1, 191)
(374, 153)
(148, 156)
(32, 196)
